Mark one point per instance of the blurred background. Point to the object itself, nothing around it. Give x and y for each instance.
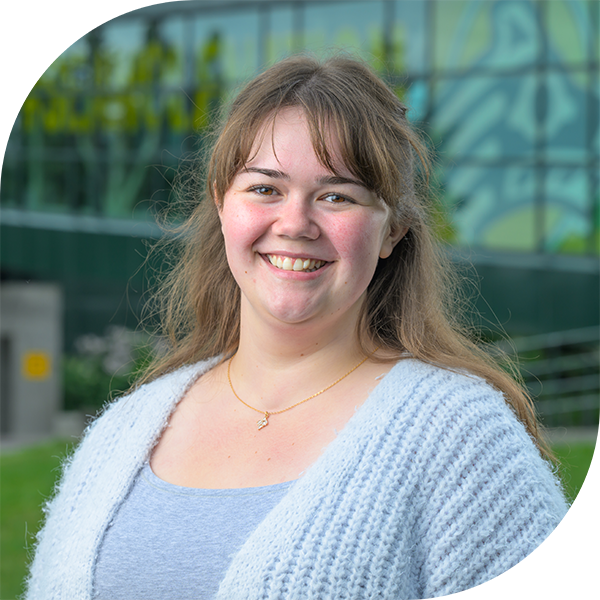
(506, 91)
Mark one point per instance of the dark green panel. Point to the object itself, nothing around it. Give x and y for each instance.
(531, 300)
(100, 274)
(63, 256)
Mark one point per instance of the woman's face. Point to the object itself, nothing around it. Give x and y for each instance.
(302, 242)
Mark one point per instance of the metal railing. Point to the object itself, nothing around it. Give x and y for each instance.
(562, 372)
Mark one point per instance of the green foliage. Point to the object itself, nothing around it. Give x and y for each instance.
(87, 385)
(580, 244)
(103, 367)
(441, 221)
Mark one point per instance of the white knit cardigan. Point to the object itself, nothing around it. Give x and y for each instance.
(432, 487)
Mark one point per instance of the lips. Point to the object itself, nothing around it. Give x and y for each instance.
(286, 263)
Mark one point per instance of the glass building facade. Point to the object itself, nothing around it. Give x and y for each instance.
(506, 91)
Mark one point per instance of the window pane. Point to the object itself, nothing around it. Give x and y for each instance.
(226, 52)
(226, 47)
(176, 61)
(568, 221)
(595, 19)
(353, 26)
(417, 99)
(121, 46)
(174, 34)
(594, 247)
(486, 117)
(409, 35)
(567, 116)
(596, 93)
(499, 35)
(493, 207)
(280, 41)
(570, 31)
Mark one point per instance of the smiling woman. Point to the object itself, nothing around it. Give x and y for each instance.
(284, 209)
(392, 457)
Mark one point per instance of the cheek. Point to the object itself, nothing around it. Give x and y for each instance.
(241, 224)
(359, 240)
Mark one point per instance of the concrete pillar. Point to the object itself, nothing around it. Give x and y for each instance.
(31, 383)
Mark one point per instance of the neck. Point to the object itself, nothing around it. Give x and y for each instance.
(277, 365)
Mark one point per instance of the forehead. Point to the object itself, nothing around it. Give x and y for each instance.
(287, 137)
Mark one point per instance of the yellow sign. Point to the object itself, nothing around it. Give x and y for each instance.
(36, 365)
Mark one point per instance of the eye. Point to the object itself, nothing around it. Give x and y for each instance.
(336, 198)
(263, 190)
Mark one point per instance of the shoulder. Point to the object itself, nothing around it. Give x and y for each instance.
(410, 369)
(445, 390)
(464, 432)
(488, 498)
(458, 420)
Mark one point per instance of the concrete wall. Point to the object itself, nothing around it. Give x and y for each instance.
(31, 327)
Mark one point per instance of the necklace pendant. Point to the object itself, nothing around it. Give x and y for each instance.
(263, 422)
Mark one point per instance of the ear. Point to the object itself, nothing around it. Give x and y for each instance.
(389, 243)
(218, 204)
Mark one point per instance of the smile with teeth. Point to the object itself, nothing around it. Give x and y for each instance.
(307, 265)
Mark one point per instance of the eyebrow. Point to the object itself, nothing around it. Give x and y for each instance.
(338, 180)
(268, 172)
(325, 180)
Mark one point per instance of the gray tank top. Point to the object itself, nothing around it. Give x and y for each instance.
(170, 542)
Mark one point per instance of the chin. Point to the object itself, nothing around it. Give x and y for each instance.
(293, 317)
(301, 313)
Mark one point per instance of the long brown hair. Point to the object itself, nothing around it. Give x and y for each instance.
(411, 305)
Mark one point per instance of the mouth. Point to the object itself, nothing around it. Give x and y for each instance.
(305, 265)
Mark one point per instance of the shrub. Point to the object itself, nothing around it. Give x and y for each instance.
(103, 367)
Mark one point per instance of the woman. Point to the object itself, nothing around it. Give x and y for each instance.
(320, 428)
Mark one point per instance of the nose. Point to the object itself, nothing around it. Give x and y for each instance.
(296, 219)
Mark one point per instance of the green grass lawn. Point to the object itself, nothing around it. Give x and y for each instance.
(27, 477)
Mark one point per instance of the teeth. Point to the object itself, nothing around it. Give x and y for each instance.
(287, 264)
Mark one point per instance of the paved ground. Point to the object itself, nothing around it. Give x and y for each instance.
(566, 435)
(13, 443)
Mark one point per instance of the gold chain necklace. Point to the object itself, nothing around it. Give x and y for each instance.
(265, 420)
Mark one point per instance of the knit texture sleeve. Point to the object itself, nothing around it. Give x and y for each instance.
(490, 497)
